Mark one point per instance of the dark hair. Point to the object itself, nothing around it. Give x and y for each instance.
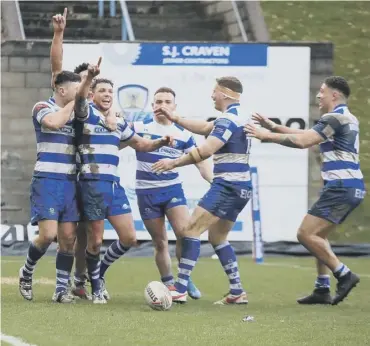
(65, 77)
(97, 81)
(338, 83)
(81, 68)
(165, 90)
(231, 83)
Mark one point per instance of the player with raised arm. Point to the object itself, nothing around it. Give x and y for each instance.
(101, 193)
(53, 187)
(337, 132)
(56, 59)
(230, 190)
(161, 196)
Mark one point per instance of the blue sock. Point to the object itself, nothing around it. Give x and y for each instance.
(322, 281)
(168, 280)
(227, 258)
(341, 270)
(190, 252)
(113, 253)
(64, 263)
(93, 269)
(34, 254)
(79, 280)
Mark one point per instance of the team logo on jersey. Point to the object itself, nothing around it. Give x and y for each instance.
(147, 136)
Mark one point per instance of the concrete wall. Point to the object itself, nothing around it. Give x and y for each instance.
(250, 14)
(25, 69)
(25, 79)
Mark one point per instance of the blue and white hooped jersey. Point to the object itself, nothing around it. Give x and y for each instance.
(56, 153)
(99, 148)
(184, 142)
(231, 161)
(340, 150)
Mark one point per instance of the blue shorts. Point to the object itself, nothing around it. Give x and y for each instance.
(100, 199)
(155, 205)
(226, 199)
(53, 199)
(336, 203)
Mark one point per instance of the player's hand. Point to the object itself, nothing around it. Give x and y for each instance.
(263, 121)
(94, 70)
(169, 114)
(59, 21)
(163, 166)
(255, 132)
(167, 141)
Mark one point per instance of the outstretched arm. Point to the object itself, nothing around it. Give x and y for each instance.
(302, 140)
(200, 127)
(56, 49)
(272, 126)
(197, 155)
(147, 145)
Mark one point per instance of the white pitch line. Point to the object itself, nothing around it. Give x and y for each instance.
(14, 341)
(296, 266)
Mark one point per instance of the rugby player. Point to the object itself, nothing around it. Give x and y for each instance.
(161, 196)
(230, 190)
(53, 187)
(56, 58)
(337, 132)
(101, 193)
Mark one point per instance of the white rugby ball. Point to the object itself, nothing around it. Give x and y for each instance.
(158, 296)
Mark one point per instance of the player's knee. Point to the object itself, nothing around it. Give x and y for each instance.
(94, 245)
(302, 234)
(44, 240)
(161, 245)
(66, 244)
(128, 239)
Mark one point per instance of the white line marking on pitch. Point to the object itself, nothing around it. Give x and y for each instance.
(14, 341)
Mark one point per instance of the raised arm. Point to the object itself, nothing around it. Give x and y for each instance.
(56, 49)
(82, 105)
(43, 114)
(200, 127)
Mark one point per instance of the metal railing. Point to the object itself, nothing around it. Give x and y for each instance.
(239, 21)
(127, 32)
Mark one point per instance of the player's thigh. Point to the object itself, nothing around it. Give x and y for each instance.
(336, 203)
(124, 226)
(157, 230)
(149, 207)
(218, 232)
(178, 217)
(313, 225)
(93, 198)
(226, 200)
(69, 211)
(45, 200)
(200, 220)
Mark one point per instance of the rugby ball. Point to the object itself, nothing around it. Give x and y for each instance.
(158, 296)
